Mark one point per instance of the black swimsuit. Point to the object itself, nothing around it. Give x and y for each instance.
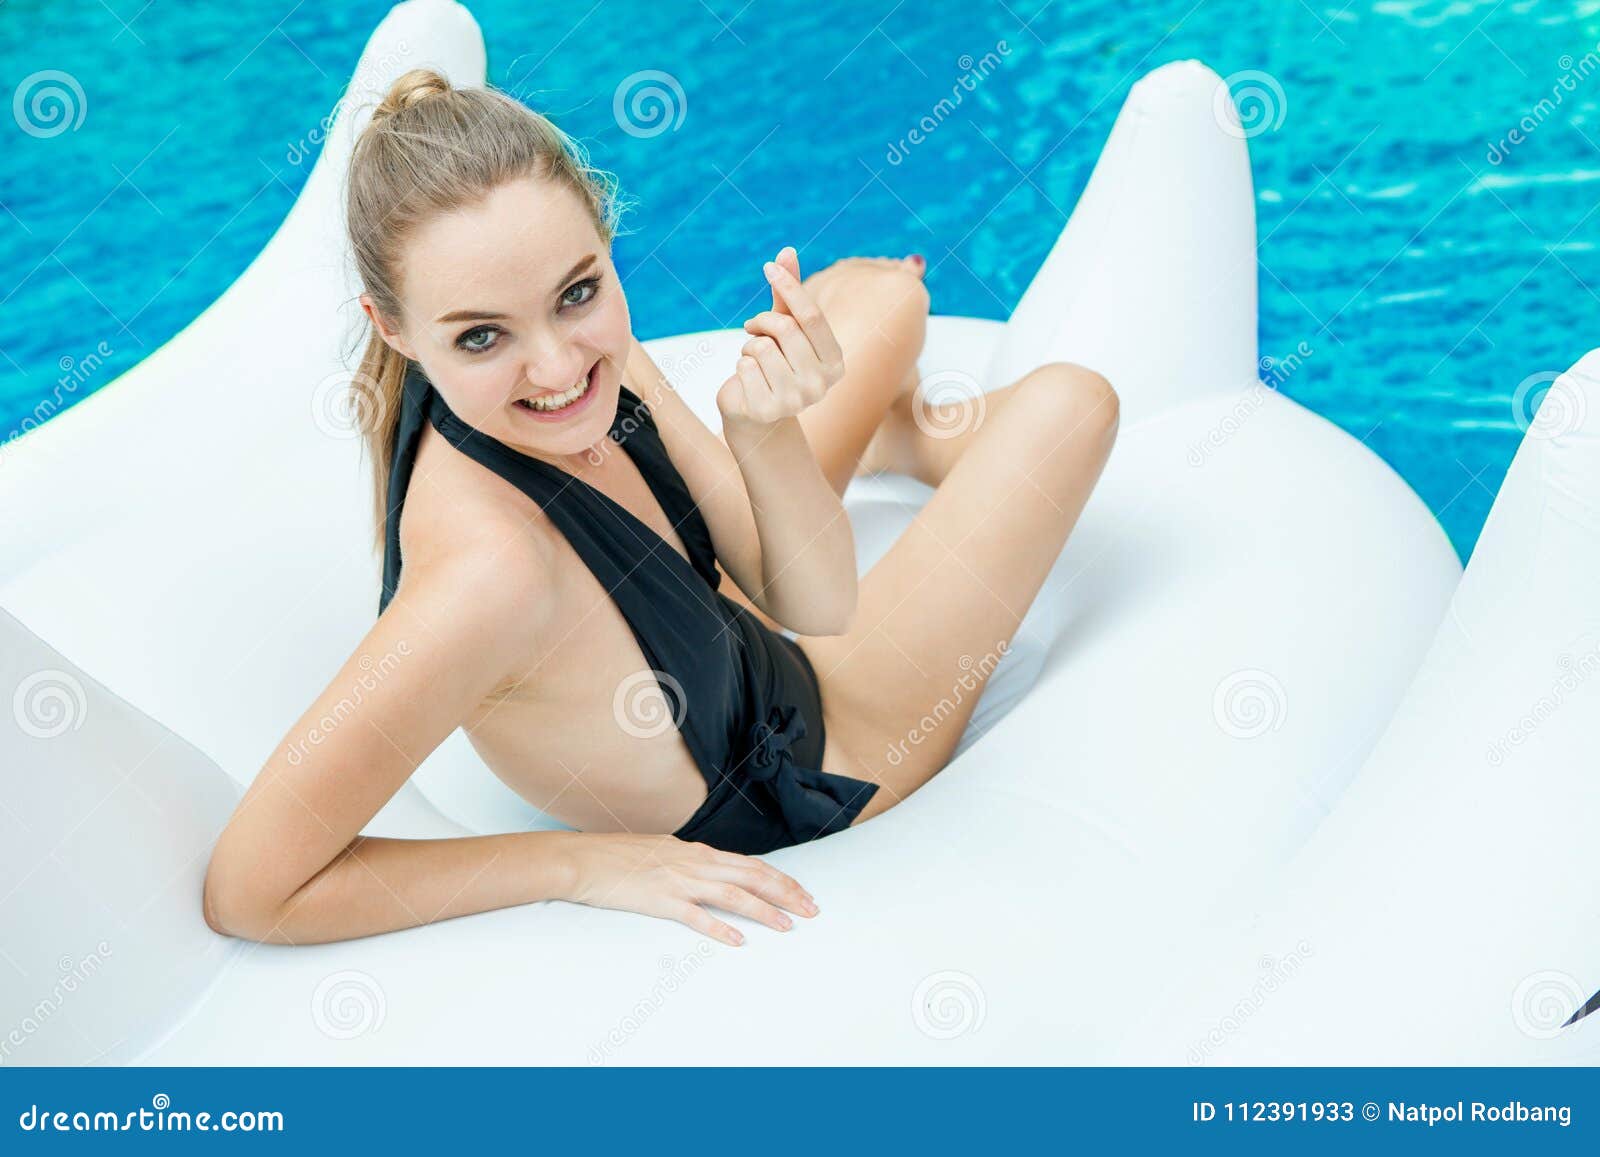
(744, 697)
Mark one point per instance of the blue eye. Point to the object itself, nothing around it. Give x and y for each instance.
(466, 342)
(585, 291)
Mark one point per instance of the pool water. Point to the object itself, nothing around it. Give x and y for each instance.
(1426, 180)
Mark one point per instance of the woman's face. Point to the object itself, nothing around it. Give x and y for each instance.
(512, 307)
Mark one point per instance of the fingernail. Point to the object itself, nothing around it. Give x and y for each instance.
(738, 936)
(784, 922)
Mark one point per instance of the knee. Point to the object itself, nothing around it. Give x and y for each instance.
(1073, 398)
(882, 288)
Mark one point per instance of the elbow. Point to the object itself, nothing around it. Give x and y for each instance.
(231, 911)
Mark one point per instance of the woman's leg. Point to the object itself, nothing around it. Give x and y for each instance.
(878, 309)
(938, 609)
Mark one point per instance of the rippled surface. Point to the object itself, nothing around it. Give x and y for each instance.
(1430, 262)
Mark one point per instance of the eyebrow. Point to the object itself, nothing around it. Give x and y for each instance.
(472, 314)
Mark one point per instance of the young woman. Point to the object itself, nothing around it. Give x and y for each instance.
(654, 634)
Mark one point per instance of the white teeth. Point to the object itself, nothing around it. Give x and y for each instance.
(559, 401)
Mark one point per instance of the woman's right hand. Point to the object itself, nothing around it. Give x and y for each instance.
(671, 878)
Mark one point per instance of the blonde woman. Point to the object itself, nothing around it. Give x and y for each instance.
(654, 634)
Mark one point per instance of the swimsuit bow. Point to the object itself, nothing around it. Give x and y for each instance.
(813, 802)
(771, 738)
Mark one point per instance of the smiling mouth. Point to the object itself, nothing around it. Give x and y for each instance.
(554, 403)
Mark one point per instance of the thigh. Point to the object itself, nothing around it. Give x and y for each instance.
(938, 610)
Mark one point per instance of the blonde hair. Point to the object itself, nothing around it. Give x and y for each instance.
(431, 148)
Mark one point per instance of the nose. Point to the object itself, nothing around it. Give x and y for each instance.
(554, 366)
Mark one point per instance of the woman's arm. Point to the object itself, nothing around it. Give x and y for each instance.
(291, 867)
(779, 529)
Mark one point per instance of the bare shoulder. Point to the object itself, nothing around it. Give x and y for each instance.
(478, 563)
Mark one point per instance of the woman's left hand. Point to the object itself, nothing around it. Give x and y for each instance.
(791, 361)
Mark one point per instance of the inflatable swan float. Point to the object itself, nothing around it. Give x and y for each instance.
(1176, 771)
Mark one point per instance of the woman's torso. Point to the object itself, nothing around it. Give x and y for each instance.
(583, 735)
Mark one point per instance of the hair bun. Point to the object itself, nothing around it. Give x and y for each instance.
(410, 88)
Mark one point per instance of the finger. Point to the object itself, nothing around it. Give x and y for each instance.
(757, 393)
(767, 882)
(704, 922)
(803, 308)
(732, 898)
(791, 339)
(775, 367)
(790, 260)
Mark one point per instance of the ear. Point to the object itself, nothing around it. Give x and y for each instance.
(390, 335)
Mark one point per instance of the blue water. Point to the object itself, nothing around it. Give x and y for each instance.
(1429, 279)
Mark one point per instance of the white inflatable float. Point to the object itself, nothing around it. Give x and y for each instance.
(1228, 632)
